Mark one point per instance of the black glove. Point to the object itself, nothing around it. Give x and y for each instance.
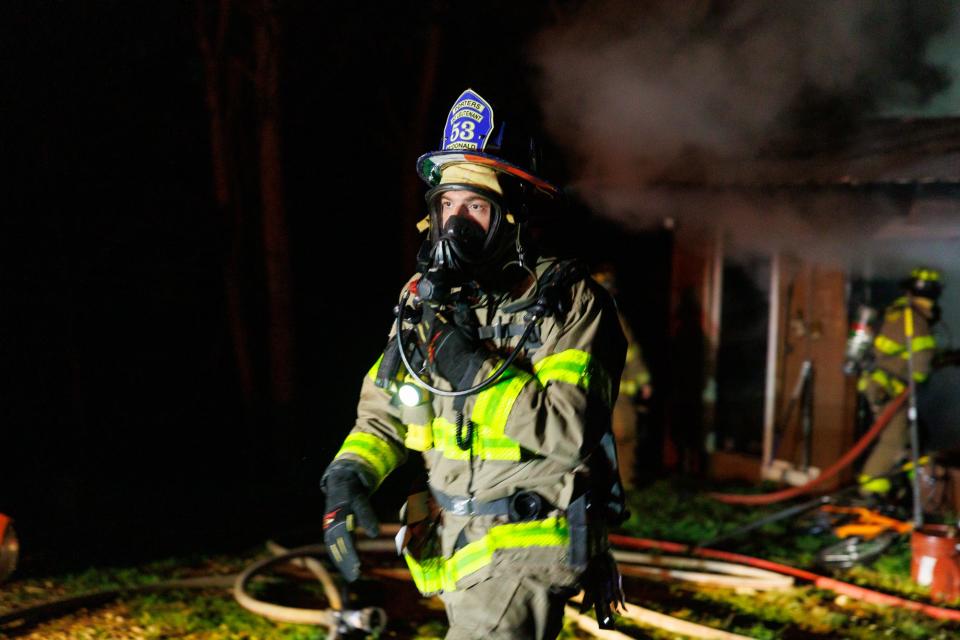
(347, 490)
(602, 589)
(455, 351)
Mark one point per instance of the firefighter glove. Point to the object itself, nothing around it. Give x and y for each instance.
(455, 352)
(347, 489)
(602, 589)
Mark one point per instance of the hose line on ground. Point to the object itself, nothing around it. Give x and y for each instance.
(832, 470)
(336, 618)
(822, 582)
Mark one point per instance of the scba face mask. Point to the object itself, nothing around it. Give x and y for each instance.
(459, 245)
(462, 244)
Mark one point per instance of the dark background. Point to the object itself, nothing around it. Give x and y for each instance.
(125, 431)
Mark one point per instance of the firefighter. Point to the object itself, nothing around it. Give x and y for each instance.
(910, 316)
(635, 390)
(499, 375)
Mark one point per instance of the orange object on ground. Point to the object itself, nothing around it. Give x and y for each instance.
(936, 560)
(869, 524)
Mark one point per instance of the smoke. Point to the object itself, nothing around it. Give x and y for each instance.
(639, 93)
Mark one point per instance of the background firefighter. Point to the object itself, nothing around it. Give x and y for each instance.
(636, 390)
(521, 469)
(910, 316)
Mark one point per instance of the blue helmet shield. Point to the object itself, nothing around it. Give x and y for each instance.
(470, 135)
(469, 123)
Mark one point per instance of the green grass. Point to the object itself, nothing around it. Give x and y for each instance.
(667, 512)
(663, 511)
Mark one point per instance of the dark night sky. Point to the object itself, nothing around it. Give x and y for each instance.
(123, 429)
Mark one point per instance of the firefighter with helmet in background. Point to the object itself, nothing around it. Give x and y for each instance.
(909, 317)
(499, 373)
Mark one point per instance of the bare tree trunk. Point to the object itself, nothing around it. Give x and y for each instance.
(276, 242)
(215, 67)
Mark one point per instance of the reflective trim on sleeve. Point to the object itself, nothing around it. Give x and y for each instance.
(433, 575)
(886, 346)
(577, 368)
(377, 453)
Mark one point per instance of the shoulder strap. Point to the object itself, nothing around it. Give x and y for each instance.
(551, 285)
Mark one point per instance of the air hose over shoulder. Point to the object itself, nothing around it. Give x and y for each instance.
(543, 303)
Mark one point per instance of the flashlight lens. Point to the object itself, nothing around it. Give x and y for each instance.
(409, 395)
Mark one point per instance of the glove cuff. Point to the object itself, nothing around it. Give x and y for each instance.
(346, 466)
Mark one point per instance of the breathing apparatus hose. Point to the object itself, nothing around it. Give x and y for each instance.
(492, 379)
(778, 496)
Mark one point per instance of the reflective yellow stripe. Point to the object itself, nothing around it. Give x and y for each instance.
(493, 405)
(920, 377)
(631, 386)
(923, 343)
(577, 368)
(908, 322)
(445, 439)
(487, 444)
(434, 574)
(490, 414)
(419, 437)
(372, 374)
(886, 346)
(928, 275)
(377, 453)
(890, 383)
(874, 485)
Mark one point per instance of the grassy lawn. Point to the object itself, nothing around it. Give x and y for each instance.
(663, 511)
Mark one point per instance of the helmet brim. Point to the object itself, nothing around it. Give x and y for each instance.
(430, 165)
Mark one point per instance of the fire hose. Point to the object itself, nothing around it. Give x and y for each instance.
(821, 582)
(785, 494)
(337, 619)
(754, 573)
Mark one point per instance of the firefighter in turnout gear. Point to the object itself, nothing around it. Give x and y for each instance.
(909, 318)
(499, 374)
(635, 390)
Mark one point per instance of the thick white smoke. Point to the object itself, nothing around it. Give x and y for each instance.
(639, 93)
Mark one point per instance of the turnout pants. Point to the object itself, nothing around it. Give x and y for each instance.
(506, 608)
(893, 440)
